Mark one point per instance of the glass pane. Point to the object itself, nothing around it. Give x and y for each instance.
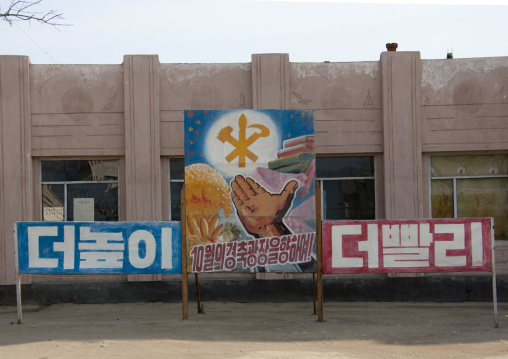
(105, 201)
(349, 199)
(79, 170)
(104, 170)
(334, 167)
(53, 198)
(175, 201)
(176, 168)
(331, 202)
(484, 198)
(442, 198)
(453, 166)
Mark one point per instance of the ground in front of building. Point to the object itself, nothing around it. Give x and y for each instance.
(256, 330)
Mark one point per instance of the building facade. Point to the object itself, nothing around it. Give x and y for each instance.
(399, 138)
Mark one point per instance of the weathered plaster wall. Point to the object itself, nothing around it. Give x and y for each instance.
(465, 110)
(198, 86)
(348, 102)
(77, 110)
(465, 105)
(15, 167)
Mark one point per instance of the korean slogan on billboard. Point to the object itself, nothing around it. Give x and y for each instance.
(427, 245)
(99, 247)
(250, 191)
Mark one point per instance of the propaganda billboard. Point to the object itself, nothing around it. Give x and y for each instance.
(99, 247)
(391, 246)
(250, 191)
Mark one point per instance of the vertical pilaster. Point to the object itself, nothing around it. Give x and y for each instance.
(15, 163)
(142, 142)
(270, 81)
(270, 90)
(402, 78)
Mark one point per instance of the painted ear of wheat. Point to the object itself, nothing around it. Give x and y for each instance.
(206, 195)
(202, 229)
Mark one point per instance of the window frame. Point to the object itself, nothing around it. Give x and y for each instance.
(458, 177)
(171, 180)
(67, 183)
(349, 178)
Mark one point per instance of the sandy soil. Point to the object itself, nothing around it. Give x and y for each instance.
(255, 330)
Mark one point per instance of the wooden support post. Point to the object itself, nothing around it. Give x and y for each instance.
(185, 278)
(319, 254)
(314, 291)
(198, 295)
(18, 279)
(494, 279)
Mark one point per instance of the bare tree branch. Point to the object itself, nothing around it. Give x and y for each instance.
(23, 10)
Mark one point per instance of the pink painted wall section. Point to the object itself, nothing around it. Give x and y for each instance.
(142, 138)
(270, 81)
(15, 165)
(142, 143)
(465, 110)
(402, 134)
(77, 110)
(432, 245)
(348, 102)
(198, 86)
(465, 105)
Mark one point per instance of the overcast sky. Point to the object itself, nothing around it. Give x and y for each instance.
(218, 31)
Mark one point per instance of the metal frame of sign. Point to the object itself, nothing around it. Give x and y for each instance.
(95, 248)
(411, 246)
(248, 194)
(319, 234)
(317, 286)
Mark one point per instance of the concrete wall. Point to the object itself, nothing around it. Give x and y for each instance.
(400, 109)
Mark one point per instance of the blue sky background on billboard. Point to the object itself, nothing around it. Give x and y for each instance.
(228, 31)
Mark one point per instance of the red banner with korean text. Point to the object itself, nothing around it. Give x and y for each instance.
(391, 246)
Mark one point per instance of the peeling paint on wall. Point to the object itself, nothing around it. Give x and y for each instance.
(437, 74)
(186, 72)
(335, 70)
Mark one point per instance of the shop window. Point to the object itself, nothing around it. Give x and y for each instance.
(79, 190)
(471, 186)
(176, 178)
(347, 187)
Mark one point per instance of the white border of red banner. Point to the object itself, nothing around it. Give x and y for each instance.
(402, 246)
(410, 246)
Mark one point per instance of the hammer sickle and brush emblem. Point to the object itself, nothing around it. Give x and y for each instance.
(242, 143)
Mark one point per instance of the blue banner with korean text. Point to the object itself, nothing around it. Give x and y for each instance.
(99, 247)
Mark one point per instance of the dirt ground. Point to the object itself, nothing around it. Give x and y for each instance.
(255, 330)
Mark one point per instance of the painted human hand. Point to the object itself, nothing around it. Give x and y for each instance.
(261, 212)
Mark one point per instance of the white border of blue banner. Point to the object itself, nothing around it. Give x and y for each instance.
(99, 247)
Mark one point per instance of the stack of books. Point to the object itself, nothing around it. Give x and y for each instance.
(296, 156)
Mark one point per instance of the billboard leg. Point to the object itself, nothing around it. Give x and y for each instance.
(18, 298)
(18, 279)
(319, 254)
(314, 291)
(494, 280)
(185, 278)
(198, 295)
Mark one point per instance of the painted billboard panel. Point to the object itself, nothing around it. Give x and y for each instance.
(250, 191)
(99, 247)
(429, 245)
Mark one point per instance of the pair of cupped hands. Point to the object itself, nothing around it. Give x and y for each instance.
(260, 211)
